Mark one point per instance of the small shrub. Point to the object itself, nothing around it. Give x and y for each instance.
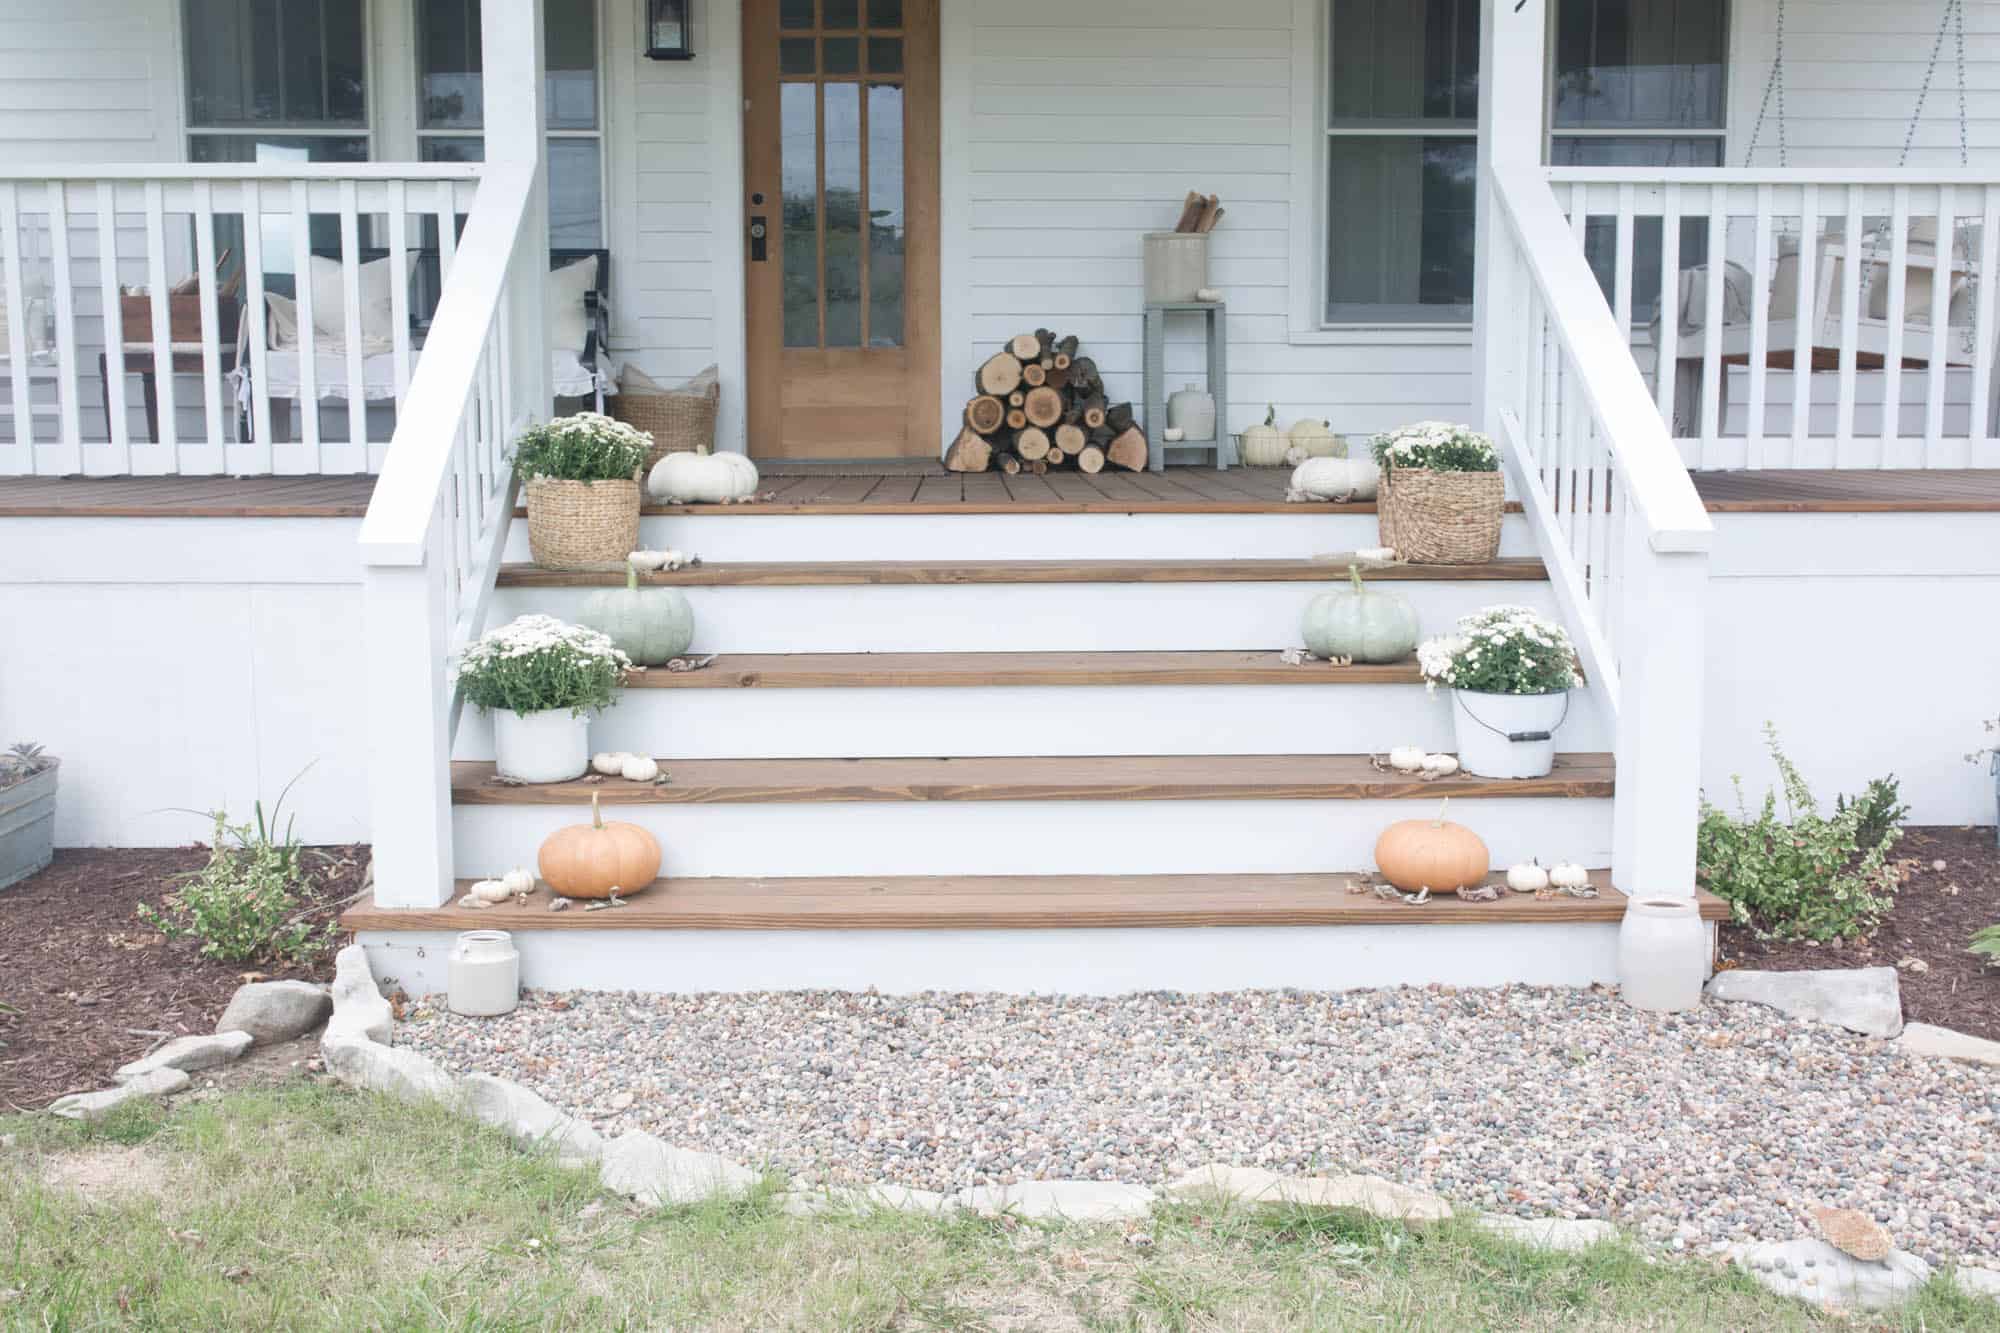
(1440, 446)
(1881, 807)
(538, 662)
(248, 903)
(1805, 875)
(584, 447)
(23, 760)
(1986, 943)
(1501, 650)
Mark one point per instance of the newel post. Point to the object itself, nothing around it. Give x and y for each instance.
(1511, 101)
(1661, 664)
(514, 69)
(409, 748)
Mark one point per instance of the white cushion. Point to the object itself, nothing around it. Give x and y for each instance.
(376, 284)
(569, 319)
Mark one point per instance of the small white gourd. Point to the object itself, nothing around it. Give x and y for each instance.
(1568, 875)
(1208, 295)
(490, 891)
(609, 763)
(639, 768)
(476, 904)
(1441, 765)
(519, 880)
(646, 561)
(1172, 434)
(1407, 758)
(1528, 877)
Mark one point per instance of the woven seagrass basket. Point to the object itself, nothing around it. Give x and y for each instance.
(678, 422)
(1441, 518)
(581, 524)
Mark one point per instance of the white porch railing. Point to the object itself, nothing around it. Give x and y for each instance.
(219, 373)
(1785, 318)
(1617, 520)
(437, 522)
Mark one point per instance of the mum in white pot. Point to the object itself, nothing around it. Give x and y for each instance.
(1510, 673)
(542, 679)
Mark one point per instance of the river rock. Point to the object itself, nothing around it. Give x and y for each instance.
(1853, 1232)
(358, 1007)
(1071, 1200)
(96, 1105)
(1861, 999)
(201, 1051)
(272, 1011)
(1812, 1270)
(531, 1122)
(657, 1174)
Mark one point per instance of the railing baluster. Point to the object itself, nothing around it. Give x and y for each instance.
(118, 429)
(1713, 373)
(69, 457)
(302, 268)
(20, 391)
(163, 336)
(1621, 282)
(1760, 331)
(350, 289)
(1850, 327)
(1944, 260)
(1892, 352)
(399, 287)
(211, 324)
(1667, 351)
(1806, 317)
(1981, 416)
(256, 316)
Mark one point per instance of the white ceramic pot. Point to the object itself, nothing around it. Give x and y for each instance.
(1192, 412)
(552, 745)
(484, 974)
(1662, 954)
(1507, 735)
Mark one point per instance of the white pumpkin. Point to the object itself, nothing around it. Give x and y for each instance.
(1315, 439)
(609, 762)
(646, 561)
(1407, 758)
(639, 768)
(1262, 445)
(1337, 478)
(519, 880)
(702, 478)
(489, 891)
(1568, 875)
(1528, 877)
(1440, 765)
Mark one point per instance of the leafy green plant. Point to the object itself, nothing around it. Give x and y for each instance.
(1501, 650)
(1804, 875)
(1881, 807)
(248, 903)
(22, 761)
(1985, 943)
(1440, 446)
(538, 662)
(585, 447)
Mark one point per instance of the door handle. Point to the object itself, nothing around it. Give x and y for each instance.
(758, 239)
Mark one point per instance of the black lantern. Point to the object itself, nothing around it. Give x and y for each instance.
(670, 29)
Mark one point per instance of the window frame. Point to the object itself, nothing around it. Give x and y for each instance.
(1312, 75)
(599, 134)
(364, 129)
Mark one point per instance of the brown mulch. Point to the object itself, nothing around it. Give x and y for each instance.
(96, 986)
(1935, 915)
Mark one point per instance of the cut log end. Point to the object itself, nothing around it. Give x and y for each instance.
(985, 414)
(1024, 347)
(1031, 443)
(1034, 374)
(1043, 405)
(1090, 458)
(1070, 438)
(1000, 374)
(968, 453)
(1128, 450)
(1016, 419)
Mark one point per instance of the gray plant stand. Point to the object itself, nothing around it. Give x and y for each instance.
(1155, 402)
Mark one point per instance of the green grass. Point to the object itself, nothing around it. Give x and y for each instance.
(305, 1207)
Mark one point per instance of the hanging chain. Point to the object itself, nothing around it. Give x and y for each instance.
(1952, 21)
(1964, 135)
(1775, 84)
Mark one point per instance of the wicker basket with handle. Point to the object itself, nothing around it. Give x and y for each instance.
(581, 524)
(1441, 518)
(681, 419)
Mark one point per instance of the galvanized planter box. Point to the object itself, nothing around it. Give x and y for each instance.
(27, 826)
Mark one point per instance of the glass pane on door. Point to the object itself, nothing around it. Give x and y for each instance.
(885, 215)
(798, 220)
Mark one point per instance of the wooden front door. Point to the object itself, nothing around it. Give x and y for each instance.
(841, 189)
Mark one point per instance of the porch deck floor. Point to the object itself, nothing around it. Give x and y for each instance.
(904, 490)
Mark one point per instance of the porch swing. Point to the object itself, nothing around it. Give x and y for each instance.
(1831, 253)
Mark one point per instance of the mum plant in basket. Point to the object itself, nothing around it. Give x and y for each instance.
(1510, 672)
(1441, 494)
(541, 679)
(581, 477)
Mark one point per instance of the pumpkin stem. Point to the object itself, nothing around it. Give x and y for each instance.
(631, 577)
(1435, 823)
(1354, 575)
(596, 812)
(1270, 414)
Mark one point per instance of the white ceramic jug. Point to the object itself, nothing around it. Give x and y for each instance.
(485, 974)
(1662, 954)
(1192, 412)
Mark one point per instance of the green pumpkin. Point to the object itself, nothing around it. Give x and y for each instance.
(648, 625)
(1366, 626)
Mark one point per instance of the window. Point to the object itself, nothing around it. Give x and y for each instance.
(451, 106)
(1635, 82)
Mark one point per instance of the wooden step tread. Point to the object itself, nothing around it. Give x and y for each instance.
(1007, 901)
(823, 573)
(795, 671)
(1088, 778)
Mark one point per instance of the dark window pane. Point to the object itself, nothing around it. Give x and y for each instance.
(1600, 234)
(840, 14)
(449, 51)
(576, 220)
(843, 214)
(795, 13)
(264, 61)
(1399, 229)
(1640, 62)
(885, 55)
(885, 215)
(1398, 60)
(346, 63)
(795, 55)
(799, 215)
(885, 13)
(840, 55)
(570, 46)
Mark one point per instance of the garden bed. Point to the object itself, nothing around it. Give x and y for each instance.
(1935, 915)
(90, 979)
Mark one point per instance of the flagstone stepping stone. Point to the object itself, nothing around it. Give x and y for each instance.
(657, 1174)
(1861, 999)
(1814, 1271)
(1925, 1039)
(1563, 1235)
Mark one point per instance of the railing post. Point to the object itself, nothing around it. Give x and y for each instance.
(409, 751)
(513, 72)
(1663, 604)
(1511, 98)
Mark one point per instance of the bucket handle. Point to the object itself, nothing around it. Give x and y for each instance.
(1517, 737)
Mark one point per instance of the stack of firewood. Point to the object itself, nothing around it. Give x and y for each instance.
(1040, 405)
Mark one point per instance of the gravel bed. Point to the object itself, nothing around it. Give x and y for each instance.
(1725, 1124)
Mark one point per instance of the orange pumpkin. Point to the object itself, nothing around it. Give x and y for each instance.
(597, 859)
(1432, 853)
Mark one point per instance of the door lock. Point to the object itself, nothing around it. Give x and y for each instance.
(758, 231)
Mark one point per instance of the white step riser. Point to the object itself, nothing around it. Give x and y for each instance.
(1031, 720)
(1036, 837)
(1016, 617)
(1019, 536)
(1081, 962)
